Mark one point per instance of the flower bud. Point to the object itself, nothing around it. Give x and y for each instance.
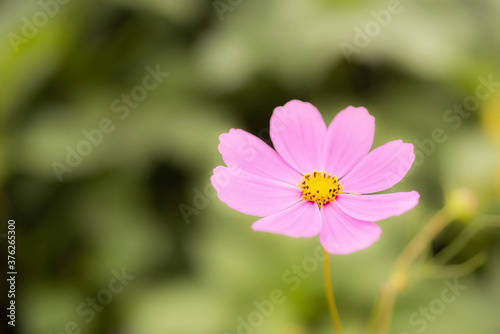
(462, 203)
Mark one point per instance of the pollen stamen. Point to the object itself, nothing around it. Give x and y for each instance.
(320, 187)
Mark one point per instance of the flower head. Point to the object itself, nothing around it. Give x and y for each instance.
(318, 180)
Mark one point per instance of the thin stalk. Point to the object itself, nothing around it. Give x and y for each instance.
(381, 321)
(332, 306)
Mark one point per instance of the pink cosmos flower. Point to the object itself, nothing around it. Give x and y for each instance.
(318, 179)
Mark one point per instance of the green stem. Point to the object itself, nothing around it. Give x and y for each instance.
(381, 321)
(463, 239)
(329, 295)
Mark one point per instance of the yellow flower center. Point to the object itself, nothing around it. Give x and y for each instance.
(320, 187)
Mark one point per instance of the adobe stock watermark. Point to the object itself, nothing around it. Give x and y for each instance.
(454, 118)
(372, 29)
(202, 197)
(32, 25)
(248, 148)
(224, 6)
(87, 310)
(121, 106)
(424, 316)
(292, 277)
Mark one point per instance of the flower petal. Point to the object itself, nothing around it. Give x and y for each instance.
(348, 140)
(298, 131)
(252, 194)
(381, 169)
(341, 234)
(377, 207)
(246, 151)
(303, 219)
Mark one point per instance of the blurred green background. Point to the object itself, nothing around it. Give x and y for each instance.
(65, 66)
